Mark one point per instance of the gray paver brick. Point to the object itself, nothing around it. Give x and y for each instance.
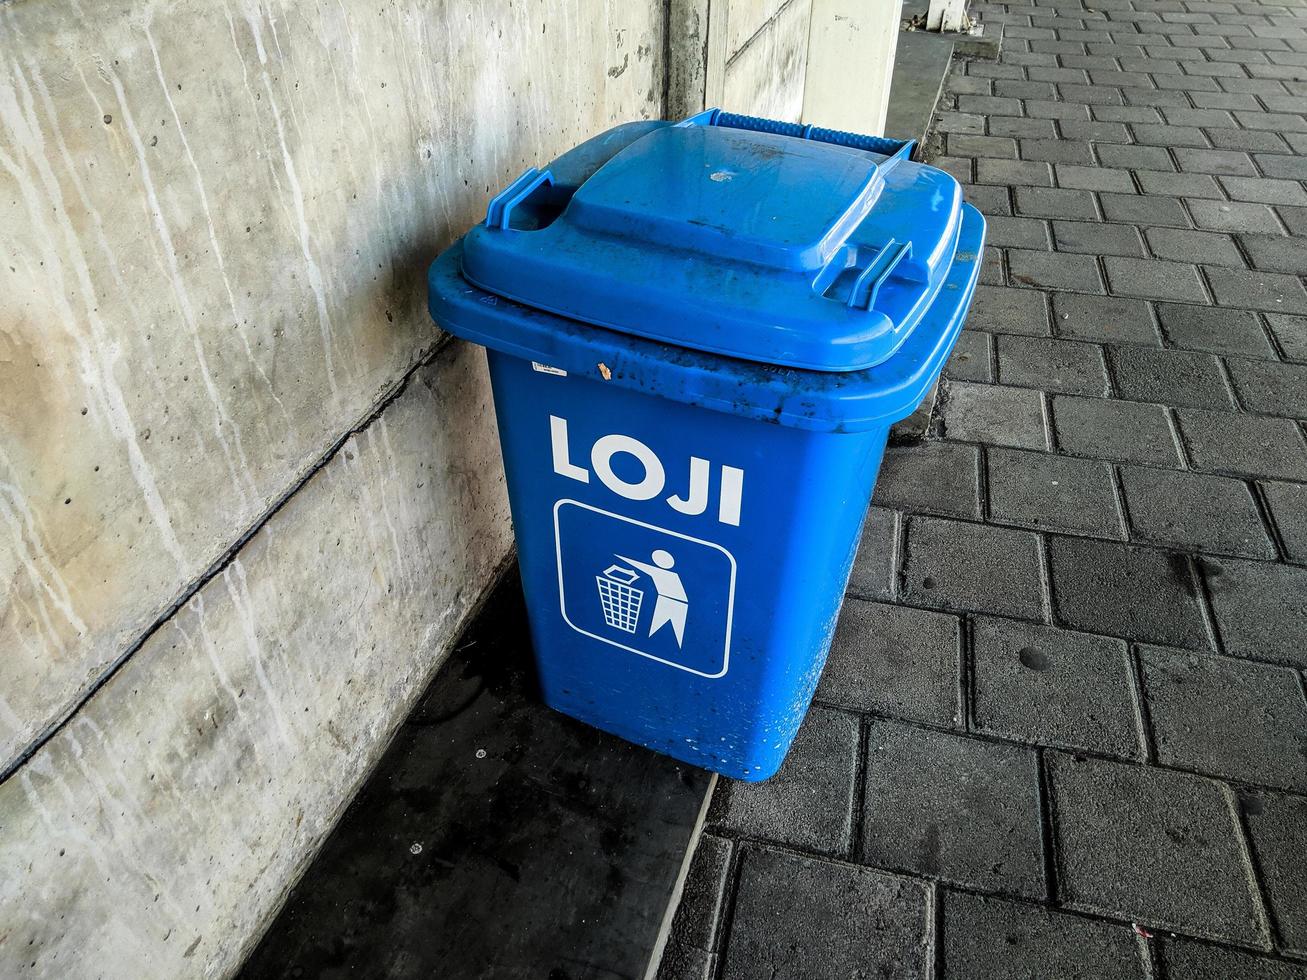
(1275, 824)
(962, 567)
(1019, 89)
(895, 660)
(1194, 511)
(935, 477)
(1055, 270)
(1295, 219)
(1161, 135)
(1234, 216)
(1179, 116)
(1221, 331)
(694, 924)
(800, 918)
(1225, 100)
(1118, 590)
(953, 807)
(1201, 961)
(1266, 190)
(989, 105)
(962, 168)
(959, 122)
(1055, 202)
(1291, 332)
(1096, 131)
(1270, 387)
(1243, 445)
(1284, 122)
(1110, 429)
(1058, 151)
(1183, 245)
(1017, 232)
(1171, 377)
(1049, 492)
(1154, 279)
(1244, 139)
(1257, 290)
(1006, 309)
(1020, 127)
(958, 84)
(1222, 717)
(971, 360)
(1288, 504)
(1152, 846)
(1144, 209)
(809, 803)
(1215, 161)
(1035, 944)
(1179, 185)
(990, 198)
(1275, 253)
(1094, 178)
(873, 569)
(1125, 113)
(1053, 687)
(1097, 238)
(968, 145)
(1289, 167)
(1054, 365)
(1133, 157)
(1047, 109)
(995, 414)
(1014, 171)
(1260, 607)
(1104, 318)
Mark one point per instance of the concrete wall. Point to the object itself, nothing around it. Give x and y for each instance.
(245, 500)
(746, 56)
(851, 46)
(767, 57)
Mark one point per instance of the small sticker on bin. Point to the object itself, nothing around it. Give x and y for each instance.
(546, 369)
(644, 589)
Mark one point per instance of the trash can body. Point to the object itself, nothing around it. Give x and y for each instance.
(761, 522)
(686, 519)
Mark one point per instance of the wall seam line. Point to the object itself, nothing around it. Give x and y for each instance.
(758, 33)
(220, 564)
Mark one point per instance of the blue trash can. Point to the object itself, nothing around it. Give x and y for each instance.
(699, 335)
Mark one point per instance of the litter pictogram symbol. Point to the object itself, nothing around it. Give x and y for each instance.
(672, 604)
(620, 600)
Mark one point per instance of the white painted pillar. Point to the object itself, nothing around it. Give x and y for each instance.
(851, 46)
(946, 15)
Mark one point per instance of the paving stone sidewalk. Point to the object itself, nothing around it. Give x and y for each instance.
(1063, 730)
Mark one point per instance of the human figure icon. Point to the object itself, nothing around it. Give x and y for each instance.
(672, 604)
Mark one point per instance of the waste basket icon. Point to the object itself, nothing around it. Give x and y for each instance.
(698, 336)
(619, 600)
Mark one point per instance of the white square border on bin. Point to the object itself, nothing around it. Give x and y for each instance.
(562, 598)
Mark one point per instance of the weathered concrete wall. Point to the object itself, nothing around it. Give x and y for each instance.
(851, 46)
(747, 56)
(157, 831)
(214, 224)
(767, 57)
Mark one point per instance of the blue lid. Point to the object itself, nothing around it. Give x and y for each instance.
(775, 243)
(812, 400)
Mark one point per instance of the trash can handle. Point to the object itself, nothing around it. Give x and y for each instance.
(895, 149)
(875, 275)
(501, 205)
